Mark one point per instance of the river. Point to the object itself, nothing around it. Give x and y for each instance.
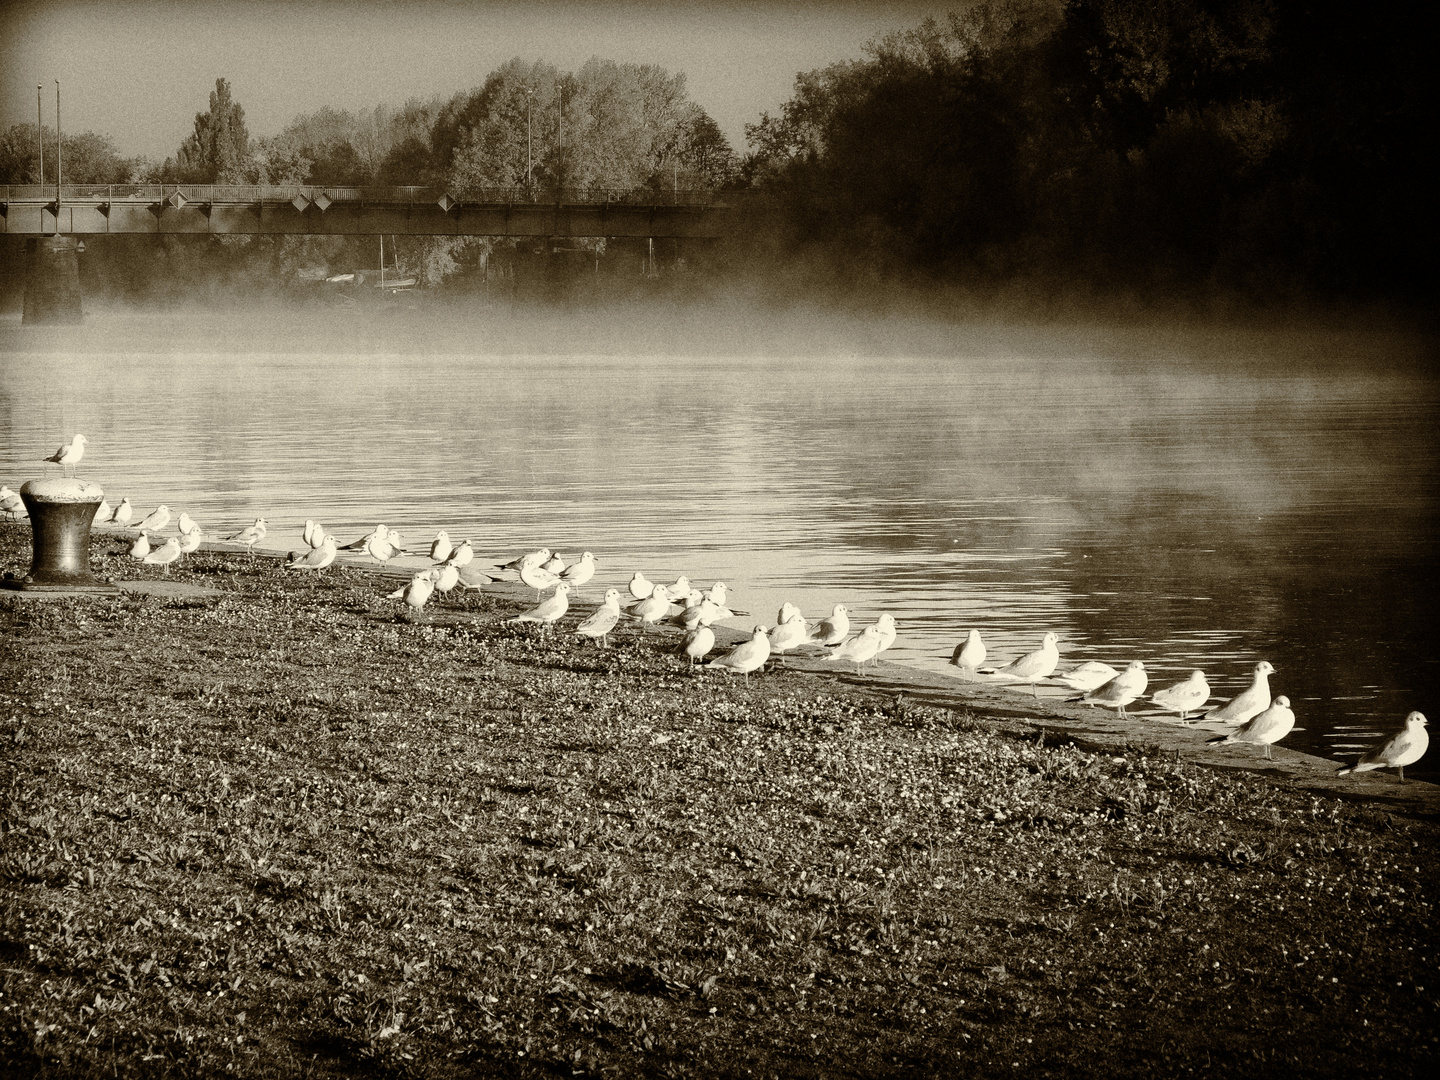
(1189, 497)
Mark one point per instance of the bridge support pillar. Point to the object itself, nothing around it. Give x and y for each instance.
(52, 281)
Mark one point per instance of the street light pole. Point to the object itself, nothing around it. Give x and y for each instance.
(59, 165)
(529, 139)
(40, 133)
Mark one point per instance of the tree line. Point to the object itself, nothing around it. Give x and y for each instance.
(1257, 146)
(1270, 148)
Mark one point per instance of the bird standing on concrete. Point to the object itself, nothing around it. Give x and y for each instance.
(1263, 728)
(1405, 747)
(1254, 700)
(1121, 690)
(1184, 696)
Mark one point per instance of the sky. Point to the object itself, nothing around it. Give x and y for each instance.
(139, 70)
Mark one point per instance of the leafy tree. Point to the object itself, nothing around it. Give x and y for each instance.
(88, 158)
(217, 150)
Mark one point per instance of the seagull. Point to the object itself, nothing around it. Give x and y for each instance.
(1405, 747)
(698, 642)
(154, 521)
(380, 548)
(534, 558)
(640, 588)
(379, 532)
(187, 523)
(1121, 690)
(316, 558)
(789, 635)
(123, 513)
(859, 648)
(307, 532)
(70, 453)
(788, 613)
(1087, 676)
(164, 555)
(970, 653)
(831, 631)
(555, 564)
(653, 608)
(702, 613)
(397, 543)
(888, 630)
(680, 590)
(603, 619)
(447, 578)
(417, 590)
(747, 656)
(11, 504)
(251, 535)
(440, 547)
(537, 577)
(580, 571)
(141, 547)
(718, 593)
(470, 577)
(548, 610)
(1184, 696)
(1263, 728)
(102, 512)
(463, 555)
(1255, 699)
(190, 541)
(1033, 666)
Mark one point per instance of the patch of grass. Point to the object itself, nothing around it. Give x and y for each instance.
(290, 832)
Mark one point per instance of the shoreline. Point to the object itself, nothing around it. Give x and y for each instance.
(263, 824)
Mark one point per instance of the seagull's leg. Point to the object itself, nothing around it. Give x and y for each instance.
(1402, 773)
(1267, 751)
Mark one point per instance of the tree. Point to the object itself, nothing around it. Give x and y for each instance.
(217, 152)
(89, 158)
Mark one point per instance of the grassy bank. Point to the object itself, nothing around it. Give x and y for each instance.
(289, 831)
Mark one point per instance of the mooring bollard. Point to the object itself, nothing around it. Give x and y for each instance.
(61, 512)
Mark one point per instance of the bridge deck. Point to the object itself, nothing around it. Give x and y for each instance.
(84, 209)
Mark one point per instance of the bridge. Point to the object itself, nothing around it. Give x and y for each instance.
(307, 209)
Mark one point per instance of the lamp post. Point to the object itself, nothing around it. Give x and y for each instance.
(40, 134)
(529, 140)
(561, 177)
(59, 166)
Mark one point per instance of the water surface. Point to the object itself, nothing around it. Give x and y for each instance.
(1187, 499)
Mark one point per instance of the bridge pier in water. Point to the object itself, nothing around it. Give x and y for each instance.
(52, 281)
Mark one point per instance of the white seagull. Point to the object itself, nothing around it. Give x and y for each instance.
(440, 547)
(123, 512)
(1033, 666)
(747, 656)
(164, 555)
(1184, 696)
(251, 535)
(652, 609)
(446, 578)
(70, 453)
(548, 610)
(640, 588)
(154, 521)
(190, 541)
(860, 648)
(886, 625)
(416, 592)
(603, 619)
(1253, 700)
(1121, 690)
(698, 642)
(316, 559)
(970, 653)
(1087, 676)
(832, 630)
(141, 547)
(186, 523)
(1263, 728)
(463, 555)
(1405, 747)
(102, 512)
(580, 571)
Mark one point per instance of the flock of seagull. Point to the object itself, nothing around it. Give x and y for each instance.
(1253, 717)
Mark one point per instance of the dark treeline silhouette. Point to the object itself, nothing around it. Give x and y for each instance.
(1258, 147)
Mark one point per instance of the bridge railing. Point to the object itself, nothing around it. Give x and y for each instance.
(363, 196)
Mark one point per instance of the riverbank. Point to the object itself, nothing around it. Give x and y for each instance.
(283, 828)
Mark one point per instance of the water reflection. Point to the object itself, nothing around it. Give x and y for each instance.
(1189, 507)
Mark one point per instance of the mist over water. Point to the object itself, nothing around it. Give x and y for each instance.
(1187, 497)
